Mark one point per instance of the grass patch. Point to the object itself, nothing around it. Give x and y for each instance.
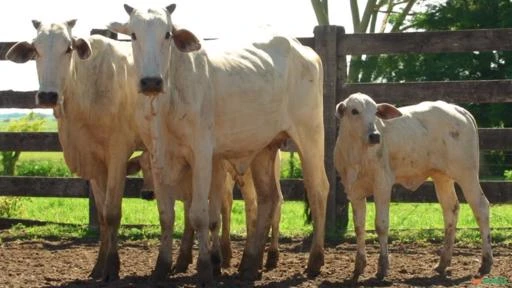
(67, 218)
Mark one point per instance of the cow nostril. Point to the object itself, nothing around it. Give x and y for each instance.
(374, 138)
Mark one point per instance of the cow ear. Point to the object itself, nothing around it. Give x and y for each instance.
(387, 111)
(340, 110)
(170, 8)
(70, 23)
(21, 52)
(82, 48)
(129, 9)
(121, 28)
(185, 40)
(36, 24)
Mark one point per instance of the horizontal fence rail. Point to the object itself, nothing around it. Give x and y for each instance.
(490, 139)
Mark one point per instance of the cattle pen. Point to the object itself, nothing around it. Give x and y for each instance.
(333, 45)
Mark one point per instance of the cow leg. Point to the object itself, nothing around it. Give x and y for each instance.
(382, 197)
(311, 151)
(480, 207)
(165, 203)
(187, 241)
(445, 191)
(98, 190)
(267, 196)
(227, 205)
(250, 202)
(112, 211)
(217, 195)
(359, 213)
(199, 209)
(273, 250)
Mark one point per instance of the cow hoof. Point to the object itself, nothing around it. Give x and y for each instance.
(382, 271)
(315, 262)
(272, 259)
(205, 272)
(248, 269)
(111, 269)
(216, 263)
(162, 270)
(441, 268)
(97, 272)
(182, 263)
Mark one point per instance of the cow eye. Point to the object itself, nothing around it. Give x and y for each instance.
(355, 112)
(69, 49)
(134, 37)
(168, 35)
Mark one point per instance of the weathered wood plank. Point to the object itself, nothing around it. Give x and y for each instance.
(482, 91)
(17, 99)
(426, 42)
(293, 189)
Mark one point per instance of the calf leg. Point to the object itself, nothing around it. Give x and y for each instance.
(227, 204)
(273, 251)
(359, 213)
(480, 207)
(382, 198)
(216, 200)
(445, 191)
(268, 197)
(98, 190)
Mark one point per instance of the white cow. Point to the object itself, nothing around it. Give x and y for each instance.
(379, 145)
(236, 103)
(94, 106)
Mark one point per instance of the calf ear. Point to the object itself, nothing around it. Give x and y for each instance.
(82, 47)
(129, 9)
(121, 28)
(387, 111)
(36, 24)
(21, 52)
(170, 8)
(185, 40)
(340, 110)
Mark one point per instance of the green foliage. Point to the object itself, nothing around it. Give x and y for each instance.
(9, 206)
(29, 123)
(46, 168)
(508, 174)
(290, 166)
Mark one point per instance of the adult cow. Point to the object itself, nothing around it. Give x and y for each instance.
(379, 145)
(235, 102)
(94, 106)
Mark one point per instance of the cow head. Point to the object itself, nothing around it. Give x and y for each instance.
(52, 49)
(152, 34)
(358, 114)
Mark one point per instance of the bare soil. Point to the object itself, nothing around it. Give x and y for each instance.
(68, 263)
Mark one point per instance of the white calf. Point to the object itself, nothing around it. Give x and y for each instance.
(379, 145)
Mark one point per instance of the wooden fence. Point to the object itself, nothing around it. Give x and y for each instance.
(333, 45)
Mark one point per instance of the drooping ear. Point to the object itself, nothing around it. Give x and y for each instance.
(70, 23)
(129, 9)
(21, 52)
(121, 28)
(36, 24)
(387, 111)
(340, 110)
(82, 48)
(185, 40)
(170, 8)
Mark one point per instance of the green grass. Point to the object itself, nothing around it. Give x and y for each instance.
(68, 218)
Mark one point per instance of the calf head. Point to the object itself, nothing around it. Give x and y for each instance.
(358, 115)
(152, 34)
(52, 49)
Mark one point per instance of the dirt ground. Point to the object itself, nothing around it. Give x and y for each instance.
(67, 264)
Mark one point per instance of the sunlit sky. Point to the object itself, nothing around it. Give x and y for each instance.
(219, 18)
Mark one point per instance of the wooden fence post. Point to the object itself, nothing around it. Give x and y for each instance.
(326, 47)
(93, 211)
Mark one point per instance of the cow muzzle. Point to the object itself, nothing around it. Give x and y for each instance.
(47, 99)
(151, 86)
(374, 138)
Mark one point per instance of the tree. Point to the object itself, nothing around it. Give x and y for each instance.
(29, 123)
(391, 14)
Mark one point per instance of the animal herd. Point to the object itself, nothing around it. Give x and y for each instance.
(210, 114)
